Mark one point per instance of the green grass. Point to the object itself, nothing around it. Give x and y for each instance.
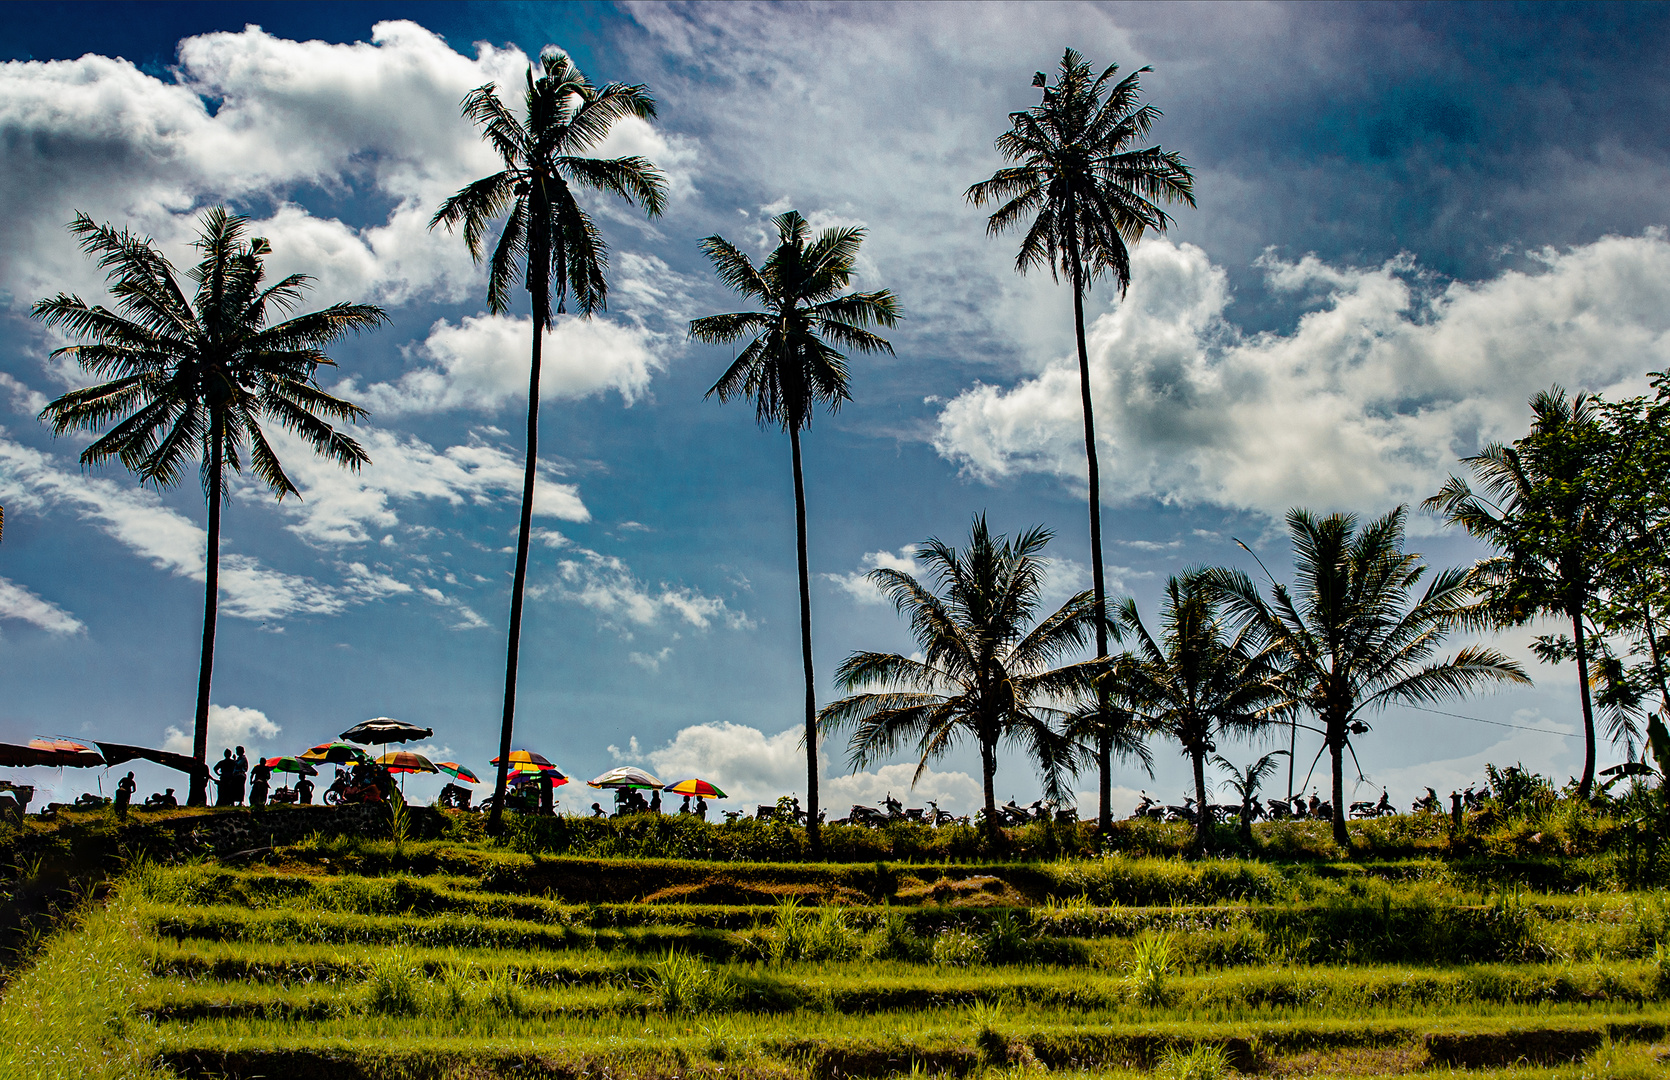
(452, 958)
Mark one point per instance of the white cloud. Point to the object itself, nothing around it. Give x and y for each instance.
(650, 661)
(17, 602)
(481, 363)
(229, 726)
(858, 584)
(467, 617)
(342, 507)
(607, 585)
(1368, 402)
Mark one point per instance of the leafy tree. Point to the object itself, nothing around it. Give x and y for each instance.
(195, 379)
(987, 672)
(1631, 478)
(1539, 506)
(1197, 683)
(1084, 189)
(1353, 636)
(1245, 781)
(548, 240)
(791, 364)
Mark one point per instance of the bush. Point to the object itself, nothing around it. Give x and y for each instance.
(1202, 1061)
(392, 985)
(682, 983)
(956, 948)
(1151, 970)
(799, 933)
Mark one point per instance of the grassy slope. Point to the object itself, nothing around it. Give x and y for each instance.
(451, 958)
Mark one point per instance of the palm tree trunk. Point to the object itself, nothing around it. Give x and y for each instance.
(541, 316)
(1203, 817)
(1104, 740)
(1582, 644)
(814, 835)
(988, 774)
(199, 794)
(1336, 753)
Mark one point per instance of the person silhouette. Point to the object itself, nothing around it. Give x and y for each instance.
(258, 784)
(701, 808)
(226, 771)
(684, 807)
(242, 765)
(124, 792)
(655, 801)
(304, 791)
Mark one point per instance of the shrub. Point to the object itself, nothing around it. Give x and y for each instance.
(899, 941)
(682, 983)
(957, 948)
(1202, 1061)
(1005, 941)
(1151, 969)
(392, 985)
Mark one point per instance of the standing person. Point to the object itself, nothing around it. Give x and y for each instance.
(226, 770)
(124, 792)
(684, 807)
(701, 808)
(239, 776)
(304, 791)
(258, 785)
(547, 796)
(655, 801)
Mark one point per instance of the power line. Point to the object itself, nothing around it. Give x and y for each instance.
(1496, 723)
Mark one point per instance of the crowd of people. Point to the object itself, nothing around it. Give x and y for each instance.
(632, 801)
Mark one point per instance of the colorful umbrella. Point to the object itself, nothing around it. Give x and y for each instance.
(385, 729)
(291, 764)
(527, 761)
(696, 787)
(626, 777)
(406, 761)
(517, 779)
(452, 768)
(336, 753)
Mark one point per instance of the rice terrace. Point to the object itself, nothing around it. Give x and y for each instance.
(1190, 604)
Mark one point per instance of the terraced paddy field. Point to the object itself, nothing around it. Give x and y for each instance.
(353, 957)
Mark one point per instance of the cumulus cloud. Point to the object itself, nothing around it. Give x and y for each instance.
(481, 364)
(229, 726)
(608, 586)
(1366, 403)
(17, 602)
(858, 584)
(342, 507)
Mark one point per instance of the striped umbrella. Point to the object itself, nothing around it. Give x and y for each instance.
(452, 768)
(336, 753)
(625, 777)
(526, 761)
(291, 764)
(404, 761)
(696, 787)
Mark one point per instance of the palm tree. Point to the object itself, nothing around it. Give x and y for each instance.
(789, 367)
(550, 240)
(987, 672)
(1245, 782)
(196, 378)
(1354, 637)
(1088, 191)
(1548, 523)
(1197, 683)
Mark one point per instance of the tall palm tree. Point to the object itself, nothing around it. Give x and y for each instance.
(790, 365)
(197, 377)
(987, 673)
(551, 242)
(1088, 190)
(1354, 636)
(1540, 509)
(1198, 682)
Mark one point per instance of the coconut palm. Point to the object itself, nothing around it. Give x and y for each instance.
(1084, 190)
(196, 378)
(548, 240)
(987, 673)
(1548, 523)
(793, 363)
(1245, 782)
(1197, 682)
(1354, 636)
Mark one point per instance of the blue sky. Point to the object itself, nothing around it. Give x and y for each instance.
(1411, 218)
